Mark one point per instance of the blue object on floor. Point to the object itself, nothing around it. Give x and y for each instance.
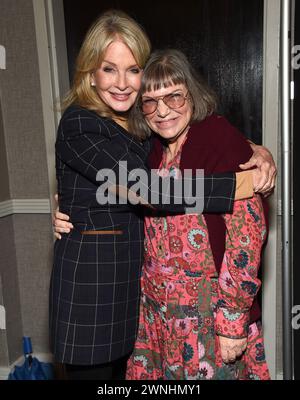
(32, 369)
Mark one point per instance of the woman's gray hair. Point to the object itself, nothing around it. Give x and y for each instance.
(163, 69)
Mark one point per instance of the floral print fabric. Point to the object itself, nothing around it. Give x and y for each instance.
(185, 304)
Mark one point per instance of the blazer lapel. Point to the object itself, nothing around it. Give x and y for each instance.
(140, 148)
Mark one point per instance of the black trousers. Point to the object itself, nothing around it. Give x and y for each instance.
(115, 370)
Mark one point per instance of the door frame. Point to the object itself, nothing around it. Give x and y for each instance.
(54, 74)
(52, 51)
(296, 190)
(271, 300)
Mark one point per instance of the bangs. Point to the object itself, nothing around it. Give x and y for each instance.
(161, 76)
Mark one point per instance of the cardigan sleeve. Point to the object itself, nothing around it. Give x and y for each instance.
(238, 281)
(244, 185)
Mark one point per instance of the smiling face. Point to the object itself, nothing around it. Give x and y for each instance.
(170, 124)
(118, 79)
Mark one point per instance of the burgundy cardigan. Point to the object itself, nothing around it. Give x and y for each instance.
(215, 146)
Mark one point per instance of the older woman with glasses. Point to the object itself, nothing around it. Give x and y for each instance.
(198, 315)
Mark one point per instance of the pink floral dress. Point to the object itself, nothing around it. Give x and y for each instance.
(185, 304)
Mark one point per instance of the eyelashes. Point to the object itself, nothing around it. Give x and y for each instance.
(111, 70)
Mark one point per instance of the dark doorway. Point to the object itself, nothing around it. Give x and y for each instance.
(222, 38)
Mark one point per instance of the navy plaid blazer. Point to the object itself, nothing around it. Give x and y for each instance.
(94, 290)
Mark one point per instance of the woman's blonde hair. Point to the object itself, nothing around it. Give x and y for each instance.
(171, 67)
(110, 25)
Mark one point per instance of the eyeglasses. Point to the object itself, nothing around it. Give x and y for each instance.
(172, 100)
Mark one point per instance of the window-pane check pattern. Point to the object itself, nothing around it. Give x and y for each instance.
(94, 293)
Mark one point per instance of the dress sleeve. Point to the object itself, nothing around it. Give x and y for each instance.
(238, 281)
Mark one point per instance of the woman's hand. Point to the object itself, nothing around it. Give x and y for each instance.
(59, 221)
(263, 160)
(231, 349)
(257, 177)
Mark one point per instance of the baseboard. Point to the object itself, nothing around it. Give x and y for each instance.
(279, 376)
(44, 357)
(4, 371)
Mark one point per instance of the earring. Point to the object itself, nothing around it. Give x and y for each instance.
(93, 84)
